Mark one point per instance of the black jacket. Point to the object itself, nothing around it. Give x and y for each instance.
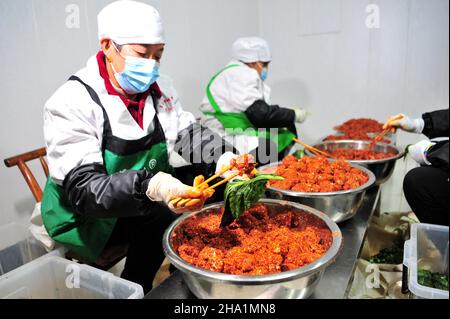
(436, 125)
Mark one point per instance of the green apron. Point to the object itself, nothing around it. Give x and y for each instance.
(234, 120)
(84, 235)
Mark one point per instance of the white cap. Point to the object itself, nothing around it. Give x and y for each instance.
(251, 49)
(128, 21)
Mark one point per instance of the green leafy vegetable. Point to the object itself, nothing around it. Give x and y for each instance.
(392, 255)
(405, 154)
(433, 280)
(240, 195)
(300, 153)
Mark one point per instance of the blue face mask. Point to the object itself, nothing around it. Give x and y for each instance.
(263, 75)
(138, 74)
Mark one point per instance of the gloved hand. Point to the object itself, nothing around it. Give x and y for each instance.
(405, 123)
(164, 187)
(224, 161)
(227, 159)
(300, 114)
(419, 150)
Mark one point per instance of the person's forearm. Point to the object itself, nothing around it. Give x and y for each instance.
(436, 124)
(438, 155)
(263, 115)
(94, 193)
(201, 148)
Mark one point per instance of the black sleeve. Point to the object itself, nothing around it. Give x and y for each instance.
(202, 148)
(438, 155)
(263, 115)
(94, 193)
(436, 124)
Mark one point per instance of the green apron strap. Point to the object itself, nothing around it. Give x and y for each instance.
(239, 120)
(87, 236)
(211, 99)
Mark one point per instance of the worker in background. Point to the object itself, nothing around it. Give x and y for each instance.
(426, 187)
(238, 98)
(111, 132)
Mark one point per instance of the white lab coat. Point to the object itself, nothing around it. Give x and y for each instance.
(235, 90)
(73, 122)
(73, 128)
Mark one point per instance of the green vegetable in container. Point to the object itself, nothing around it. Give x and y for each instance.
(240, 195)
(432, 280)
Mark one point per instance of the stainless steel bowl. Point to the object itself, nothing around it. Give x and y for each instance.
(293, 284)
(392, 137)
(339, 206)
(382, 168)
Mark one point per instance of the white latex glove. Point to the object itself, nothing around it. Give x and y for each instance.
(300, 114)
(419, 150)
(406, 123)
(225, 160)
(164, 187)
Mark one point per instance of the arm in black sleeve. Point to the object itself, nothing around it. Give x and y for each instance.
(438, 155)
(202, 148)
(94, 193)
(263, 115)
(436, 124)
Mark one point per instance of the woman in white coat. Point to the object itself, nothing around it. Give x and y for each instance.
(111, 132)
(237, 104)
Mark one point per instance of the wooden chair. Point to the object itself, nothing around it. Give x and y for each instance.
(110, 256)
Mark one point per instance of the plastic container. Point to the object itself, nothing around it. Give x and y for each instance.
(17, 247)
(426, 249)
(52, 277)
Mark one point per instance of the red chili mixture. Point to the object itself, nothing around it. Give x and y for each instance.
(258, 243)
(362, 125)
(348, 154)
(353, 136)
(317, 174)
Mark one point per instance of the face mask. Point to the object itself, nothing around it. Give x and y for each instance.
(264, 74)
(138, 74)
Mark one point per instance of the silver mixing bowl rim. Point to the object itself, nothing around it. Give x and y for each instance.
(322, 139)
(400, 152)
(321, 263)
(363, 187)
(389, 134)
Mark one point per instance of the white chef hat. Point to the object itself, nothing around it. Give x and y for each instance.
(128, 21)
(251, 49)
